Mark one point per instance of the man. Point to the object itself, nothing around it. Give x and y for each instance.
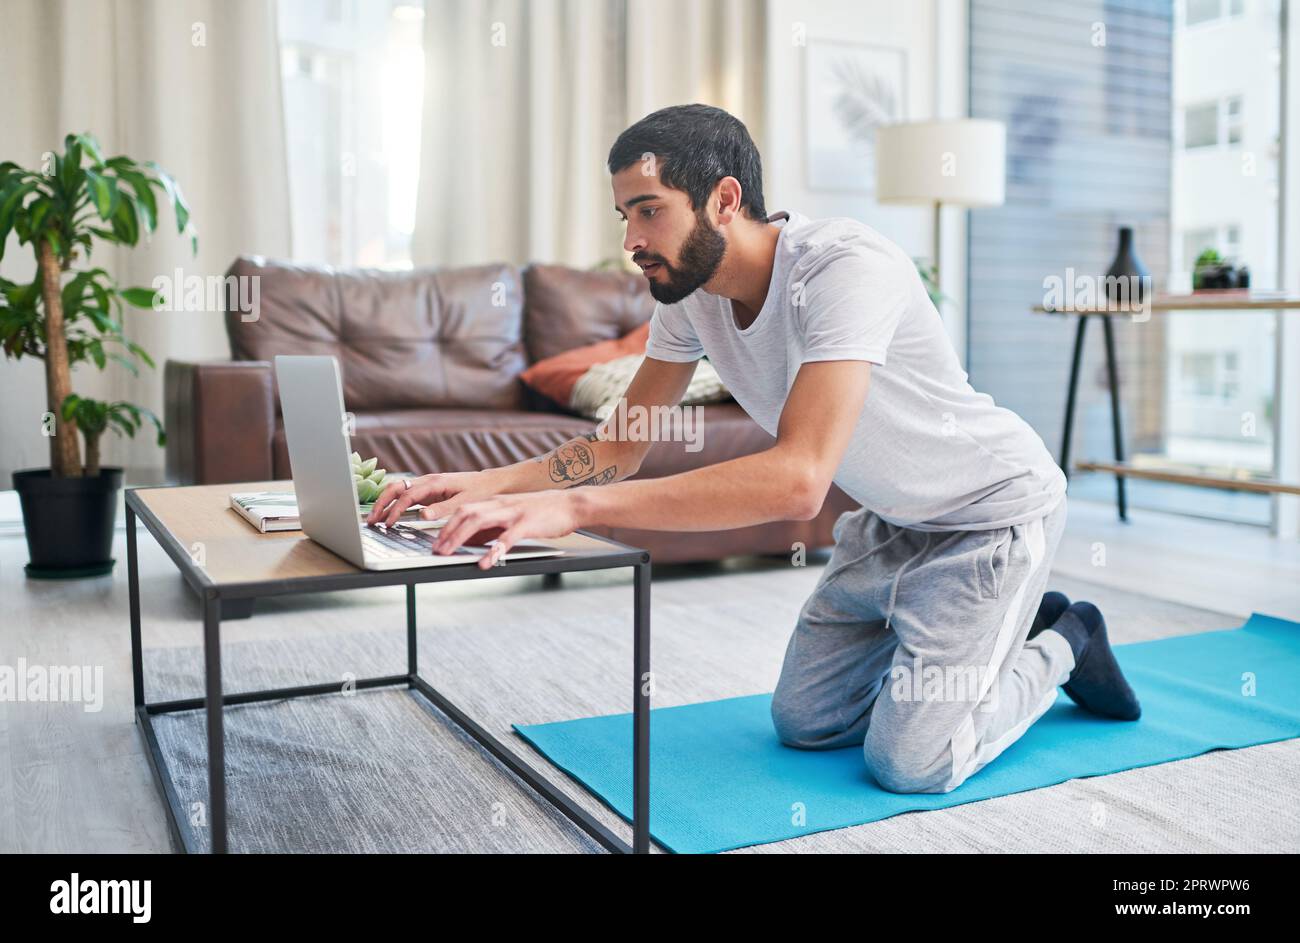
(928, 638)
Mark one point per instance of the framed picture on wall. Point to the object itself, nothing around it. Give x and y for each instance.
(849, 90)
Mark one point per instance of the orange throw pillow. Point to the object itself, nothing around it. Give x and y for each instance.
(556, 376)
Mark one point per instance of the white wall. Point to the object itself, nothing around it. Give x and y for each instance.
(933, 35)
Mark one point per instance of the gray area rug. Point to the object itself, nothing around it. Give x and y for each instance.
(381, 771)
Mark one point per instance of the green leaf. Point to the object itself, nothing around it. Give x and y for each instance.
(179, 206)
(103, 190)
(10, 202)
(22, 296)
(144, 195)
(69, 407)
(91, 146)
(37, 210)
(126, 226)
(141, 297)
(126, 362)
(70, 173)
(96, 350)
(102, 298)
(140, 352)
(73, 292)
(123, 424)
(157, 424)
(102, 321)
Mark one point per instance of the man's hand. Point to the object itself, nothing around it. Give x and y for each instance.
(439, 494)
(540, 514)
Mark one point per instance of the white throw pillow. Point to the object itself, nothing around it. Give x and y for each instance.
(597, 392)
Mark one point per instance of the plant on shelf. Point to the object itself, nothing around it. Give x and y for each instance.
(1207, 262)
(66, 316)
(1213, 272)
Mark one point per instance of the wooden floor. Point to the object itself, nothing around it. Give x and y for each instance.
(72, 780)
(1232, 568)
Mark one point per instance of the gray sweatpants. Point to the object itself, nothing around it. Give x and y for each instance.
(913, 644)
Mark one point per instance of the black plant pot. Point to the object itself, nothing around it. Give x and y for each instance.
(69, 522)
(1127, 265)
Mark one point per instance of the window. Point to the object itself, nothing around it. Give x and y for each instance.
(1198, 388)
(1209, 124)
(1222, 366)
(1201, 126)
(1231, 242)
(1201, 11)
(1198, 12)
(1229, 382)
(1209, 375)
(352, 73)
(1197, 374)
(1232, 110)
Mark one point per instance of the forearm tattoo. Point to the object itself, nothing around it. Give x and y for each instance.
(574, 463)
(600, 478)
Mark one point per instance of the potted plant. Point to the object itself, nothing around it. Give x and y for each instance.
(67, 316)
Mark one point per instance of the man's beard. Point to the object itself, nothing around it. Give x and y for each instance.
(701, 255)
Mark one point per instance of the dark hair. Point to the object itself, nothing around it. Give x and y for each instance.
(695, 147)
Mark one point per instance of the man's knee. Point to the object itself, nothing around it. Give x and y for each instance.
(796, 724)
(903, 768)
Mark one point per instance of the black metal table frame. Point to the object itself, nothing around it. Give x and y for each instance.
(215, 699)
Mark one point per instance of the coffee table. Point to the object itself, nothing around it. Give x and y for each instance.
(224, 561)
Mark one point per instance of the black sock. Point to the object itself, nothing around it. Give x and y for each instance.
(1049, 610)
(1096, 683)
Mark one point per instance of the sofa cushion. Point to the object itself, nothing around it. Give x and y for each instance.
(404, 340)
(554, 377)
(566, 308)
(427, 440)
(602, 390)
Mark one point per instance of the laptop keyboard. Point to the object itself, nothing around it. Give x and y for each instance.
(399, 541)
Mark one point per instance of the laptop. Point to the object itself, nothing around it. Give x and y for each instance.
(311, 401)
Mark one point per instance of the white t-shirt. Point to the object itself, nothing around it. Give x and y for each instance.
(928, 452)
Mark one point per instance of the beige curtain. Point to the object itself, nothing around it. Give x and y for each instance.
(523, 99)
(192, 84)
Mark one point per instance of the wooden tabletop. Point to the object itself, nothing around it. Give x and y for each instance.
(226, 549)
(1224, 300)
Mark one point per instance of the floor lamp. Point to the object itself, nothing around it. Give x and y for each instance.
(960, 162)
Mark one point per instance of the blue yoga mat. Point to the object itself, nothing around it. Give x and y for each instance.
(720, 779)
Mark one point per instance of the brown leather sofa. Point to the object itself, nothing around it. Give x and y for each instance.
(430, 361)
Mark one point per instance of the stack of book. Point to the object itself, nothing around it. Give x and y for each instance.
(272, 511)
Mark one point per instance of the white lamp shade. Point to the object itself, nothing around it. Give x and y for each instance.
(961, 162)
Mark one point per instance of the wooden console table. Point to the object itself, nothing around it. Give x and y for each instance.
(1216, 301)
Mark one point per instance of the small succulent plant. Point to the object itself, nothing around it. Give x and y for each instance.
(369, 479)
